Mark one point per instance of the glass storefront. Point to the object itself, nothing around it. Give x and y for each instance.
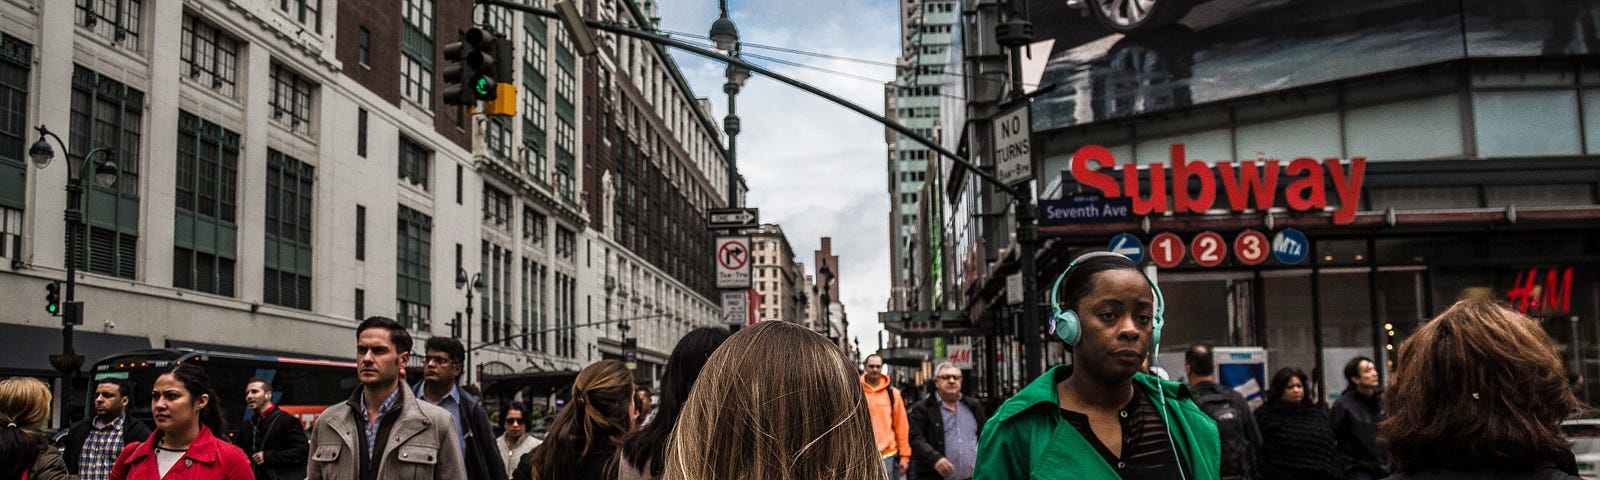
(1364, 297)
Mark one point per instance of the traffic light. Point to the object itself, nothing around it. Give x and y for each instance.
(504, 101)
(52, 298)
(472, 65)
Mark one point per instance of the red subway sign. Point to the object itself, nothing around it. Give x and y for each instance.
(1252, 185)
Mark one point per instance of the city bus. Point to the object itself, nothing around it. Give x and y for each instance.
(301, 387)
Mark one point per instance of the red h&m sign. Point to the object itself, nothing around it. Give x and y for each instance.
(1549, 293)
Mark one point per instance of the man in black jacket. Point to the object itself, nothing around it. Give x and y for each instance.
(274, 439)
(443, 366)
(94, 443)
(1355, 418)
(1236, 425)
(945, 428)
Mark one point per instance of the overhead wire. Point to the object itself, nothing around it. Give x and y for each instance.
(748, 55)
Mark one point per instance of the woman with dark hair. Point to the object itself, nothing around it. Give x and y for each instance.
(641, 450)
(25, 452)
(582, 442)
(1296, 439)
(1479, 392)
(186, 414)
(1101, 417)
(1355, 416)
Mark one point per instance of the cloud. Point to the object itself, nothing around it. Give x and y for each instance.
(815, 168)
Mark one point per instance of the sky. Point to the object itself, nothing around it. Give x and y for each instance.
(813, 167)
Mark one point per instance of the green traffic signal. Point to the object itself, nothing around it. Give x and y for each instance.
(483, 86)
(52, 298)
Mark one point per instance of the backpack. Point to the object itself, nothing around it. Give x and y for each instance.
(1236, 452)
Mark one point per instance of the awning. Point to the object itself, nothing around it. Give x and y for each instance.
(256, 351)
(540, 383)
(29, 348)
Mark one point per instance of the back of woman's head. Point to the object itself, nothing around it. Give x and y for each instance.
(24, 407)
(683, 367)
(776, 401)
(1479, 387)
(597, 415)
(197, 383)
(1280, 383)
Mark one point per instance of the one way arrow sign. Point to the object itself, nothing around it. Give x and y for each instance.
(732, 218)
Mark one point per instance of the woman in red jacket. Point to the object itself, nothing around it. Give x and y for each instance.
(182, 446)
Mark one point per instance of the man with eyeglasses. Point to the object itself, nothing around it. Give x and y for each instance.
(888, 418)
(438, 386)
(516, 442)
(944, 429)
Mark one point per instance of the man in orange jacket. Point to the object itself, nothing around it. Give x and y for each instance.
(889, 425)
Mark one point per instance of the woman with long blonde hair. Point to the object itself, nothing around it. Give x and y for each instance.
(776, 401)
(24, 450)
(583, 440)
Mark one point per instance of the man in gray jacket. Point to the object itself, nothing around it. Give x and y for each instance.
(383, 431)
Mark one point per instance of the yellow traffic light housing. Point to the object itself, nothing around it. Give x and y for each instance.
(504, 103)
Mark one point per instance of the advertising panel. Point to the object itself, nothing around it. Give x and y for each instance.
(1203, 51)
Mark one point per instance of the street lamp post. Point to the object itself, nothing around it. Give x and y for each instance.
(726, 37)
(477, 284)
(105, 175)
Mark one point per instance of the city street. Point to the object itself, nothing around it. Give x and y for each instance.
(1207, 216)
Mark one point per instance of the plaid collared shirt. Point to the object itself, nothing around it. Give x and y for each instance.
(372, 426)
(100, 449)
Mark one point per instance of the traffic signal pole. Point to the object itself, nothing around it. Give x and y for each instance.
(1027, 230)
(702, 51)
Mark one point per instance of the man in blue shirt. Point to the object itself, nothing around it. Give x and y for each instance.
(439, 374)
(945, 428)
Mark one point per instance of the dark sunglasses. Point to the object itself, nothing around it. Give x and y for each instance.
(516, 421)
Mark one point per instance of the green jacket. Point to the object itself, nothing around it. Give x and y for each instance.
(1028, 438)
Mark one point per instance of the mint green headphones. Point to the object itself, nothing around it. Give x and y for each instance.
(1065, 322)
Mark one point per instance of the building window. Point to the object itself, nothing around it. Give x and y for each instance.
(566, 243)
(496, 268)
(534, 303)
(364, 47)
(117, 20)
(459, 187)
(533, 226)
(288, 231)
(496, 207)
(211, 57)
(414, 163)
(108, 114)
(361, 132)
(566, 302)
(534, 137)
(413, 287)
(416, 45)
(205, 232)
(291, 99)
(16, 58)
(361, 232)
(307, 12)
(497, 19)
(564, 174)
(498, 138)
(361, 304)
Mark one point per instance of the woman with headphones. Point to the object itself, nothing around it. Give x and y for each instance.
(1099, 417)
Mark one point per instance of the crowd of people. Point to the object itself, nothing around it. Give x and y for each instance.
(1478, 392)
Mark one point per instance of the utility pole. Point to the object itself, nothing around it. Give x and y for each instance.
(1014, 33)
